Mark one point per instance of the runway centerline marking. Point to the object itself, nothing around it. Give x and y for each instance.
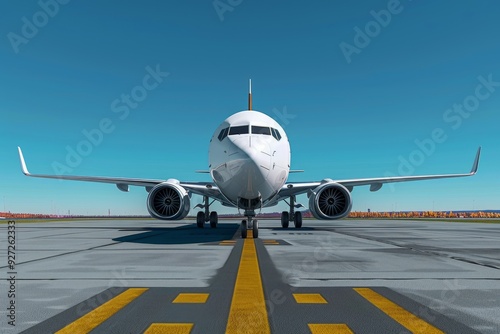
(248, 313)
(408, 320)
(97, 316)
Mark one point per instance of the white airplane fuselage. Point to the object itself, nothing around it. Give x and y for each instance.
(249, 159)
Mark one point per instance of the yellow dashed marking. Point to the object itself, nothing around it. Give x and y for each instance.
(227, 242)
(270, 242)
(192, 298)
(309, 298)
(250, 234)
(408, 320)
(329, 329)
(97, 316)
(169, 329)
(248, 312)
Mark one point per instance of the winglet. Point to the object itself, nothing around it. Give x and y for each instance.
(249, 94)
(476, 162)
(23, 163)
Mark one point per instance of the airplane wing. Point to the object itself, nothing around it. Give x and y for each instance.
(291, 189)
(199, 188)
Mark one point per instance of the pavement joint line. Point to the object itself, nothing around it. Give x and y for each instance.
(407, 319)
(248, 312)
(329, 329)
(169, 328)
(438, 252)
(100, 314)
(83, 250)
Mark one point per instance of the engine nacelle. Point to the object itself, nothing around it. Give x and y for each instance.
(330, 200)
(168, 201)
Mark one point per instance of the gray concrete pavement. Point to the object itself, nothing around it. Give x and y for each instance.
(446, 273)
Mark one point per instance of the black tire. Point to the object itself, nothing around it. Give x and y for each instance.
(244, 229)
(255, 228)
(285, 219)
(200, 219)
(298, 219)
(214, 219)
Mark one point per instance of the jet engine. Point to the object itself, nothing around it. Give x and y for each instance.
(330, 200)
(168, 201)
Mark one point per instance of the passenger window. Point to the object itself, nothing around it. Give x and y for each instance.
(261, 130)
(238, 130)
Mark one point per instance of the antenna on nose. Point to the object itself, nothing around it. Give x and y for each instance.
(249, 94)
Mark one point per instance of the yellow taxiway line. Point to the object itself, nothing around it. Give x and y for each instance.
(329, 329)
(408, 320)
(169, 329)
(248, 312)
(97, 316)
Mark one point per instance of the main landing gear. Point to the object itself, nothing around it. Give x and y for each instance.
(206, 216)
(254, 225)
(292, 216)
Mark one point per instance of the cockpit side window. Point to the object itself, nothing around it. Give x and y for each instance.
(261, 130)
(238, 130)
(223, 134)
(276, 134)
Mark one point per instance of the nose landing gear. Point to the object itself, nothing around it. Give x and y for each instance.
(254, 225)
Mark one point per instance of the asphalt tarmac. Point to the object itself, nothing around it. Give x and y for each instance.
(347, 276)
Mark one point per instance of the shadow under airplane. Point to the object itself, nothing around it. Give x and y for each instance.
(186, 234)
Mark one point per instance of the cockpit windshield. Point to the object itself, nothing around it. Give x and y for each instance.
(261, 130)
(223, 134)
(276, 134)
(245, 129)
(238, 130)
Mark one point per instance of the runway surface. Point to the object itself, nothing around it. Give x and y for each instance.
(348, 276)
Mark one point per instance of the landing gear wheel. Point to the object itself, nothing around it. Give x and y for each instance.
(255, 228)
(298, 219)
(214, 219)
(244, 229)
(200, 219)
(285, 219)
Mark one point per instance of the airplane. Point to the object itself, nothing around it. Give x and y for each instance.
(249, 163)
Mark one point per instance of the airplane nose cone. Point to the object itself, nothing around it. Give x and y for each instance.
(245, 172)
(257, 150)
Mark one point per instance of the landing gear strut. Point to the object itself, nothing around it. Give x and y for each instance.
(292, 216)
(206, 216)
(254, 225)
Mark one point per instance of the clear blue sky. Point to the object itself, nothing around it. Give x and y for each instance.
(359, 100)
